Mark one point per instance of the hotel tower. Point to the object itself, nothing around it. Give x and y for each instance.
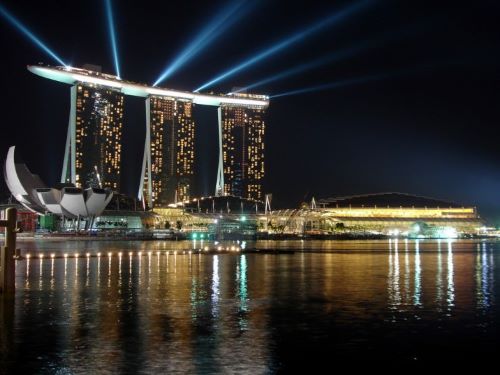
(92, 155)
(167, 168)
(241, 168)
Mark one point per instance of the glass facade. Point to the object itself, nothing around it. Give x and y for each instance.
(98, 135)
(172, 131)
(243, 131)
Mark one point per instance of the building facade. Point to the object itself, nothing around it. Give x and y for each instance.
(168, 164)
(381, 213)
(94, 142)
(243, 130)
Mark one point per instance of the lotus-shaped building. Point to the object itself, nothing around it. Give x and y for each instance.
(67, 201)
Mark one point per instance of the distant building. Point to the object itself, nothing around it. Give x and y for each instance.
(26, 219)
(232, 229)
(388, 213)
(168, 163)
(227, 204)
(94, 142)
(243, 129)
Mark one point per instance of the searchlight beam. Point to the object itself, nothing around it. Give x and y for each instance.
(112, 36)
(24, 30)
(342, 54)
(219, 24)
(333, 19)
(334, 85)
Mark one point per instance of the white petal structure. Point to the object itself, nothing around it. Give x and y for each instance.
(96, 200)
(51, 199)
(71, 202)
(22, 183)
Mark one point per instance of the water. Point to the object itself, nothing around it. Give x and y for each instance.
(390, 304)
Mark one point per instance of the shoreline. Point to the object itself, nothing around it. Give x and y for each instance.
(274, 237)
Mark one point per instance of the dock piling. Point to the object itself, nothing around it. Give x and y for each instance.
(7, 261)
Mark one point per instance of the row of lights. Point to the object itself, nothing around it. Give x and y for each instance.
(232, 248)
(140, 253)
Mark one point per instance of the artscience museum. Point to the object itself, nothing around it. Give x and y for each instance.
(66, 200)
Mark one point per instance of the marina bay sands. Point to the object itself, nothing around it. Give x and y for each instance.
(92, 157)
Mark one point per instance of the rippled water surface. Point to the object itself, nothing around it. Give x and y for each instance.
(382, 303)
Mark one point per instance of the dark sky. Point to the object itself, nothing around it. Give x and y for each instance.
(430, 129)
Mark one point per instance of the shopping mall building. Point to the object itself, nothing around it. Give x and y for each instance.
(383, 213)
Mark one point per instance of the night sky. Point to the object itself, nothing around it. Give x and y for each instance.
(427, 124)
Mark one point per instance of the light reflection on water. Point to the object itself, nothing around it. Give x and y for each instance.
(215, 286)
(450, 296)
(152, 312)
(484, 269)
(439, 275)
(418, 271)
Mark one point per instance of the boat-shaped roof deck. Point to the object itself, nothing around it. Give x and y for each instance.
(71, 75)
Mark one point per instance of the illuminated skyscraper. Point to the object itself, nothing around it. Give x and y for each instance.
(241, 168)
(93, 145)
(168, 164)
